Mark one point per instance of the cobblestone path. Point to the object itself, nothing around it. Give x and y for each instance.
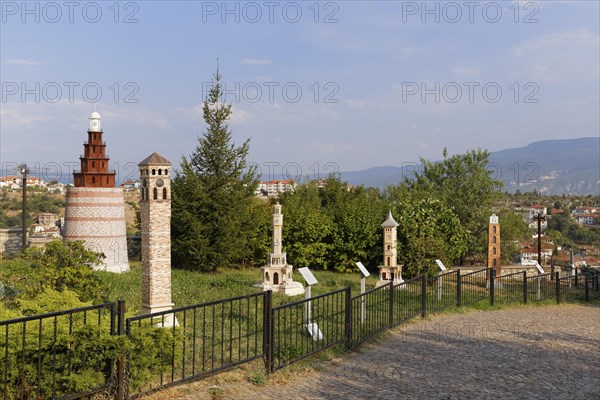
(547, 352)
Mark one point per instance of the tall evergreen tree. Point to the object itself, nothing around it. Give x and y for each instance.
(214, 221)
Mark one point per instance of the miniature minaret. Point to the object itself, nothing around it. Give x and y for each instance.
(277, 274)
(95, 208)
(155, 215)
(493, 258)
(390, 270)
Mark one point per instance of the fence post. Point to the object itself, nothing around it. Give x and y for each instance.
(121, 384)
(391, 312)
(458, 289)
(268, 330)
(557, 278)
(348, 319)
(492, 285)
(587, 291)
(423, 296)
(524, 287)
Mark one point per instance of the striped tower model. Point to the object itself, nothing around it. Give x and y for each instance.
(155, 216)
(95, 209)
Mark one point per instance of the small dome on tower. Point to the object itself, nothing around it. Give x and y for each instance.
(95, 125)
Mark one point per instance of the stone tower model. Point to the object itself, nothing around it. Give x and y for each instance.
(277, 274)
(493, 258)
(155, 215)
(95, 210)
(390, 270)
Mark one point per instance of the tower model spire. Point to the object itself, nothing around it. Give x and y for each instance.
(277, 274)
(94, 162)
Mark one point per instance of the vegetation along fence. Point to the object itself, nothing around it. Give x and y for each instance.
(75, 353)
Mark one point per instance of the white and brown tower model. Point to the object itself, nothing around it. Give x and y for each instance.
(277, 274)
(390, 270)
(155, 215)
(95, 208)
(493, 258)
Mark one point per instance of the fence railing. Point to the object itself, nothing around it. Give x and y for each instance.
(198, 340)
(305, 327)
(37, 353)
(79, 352)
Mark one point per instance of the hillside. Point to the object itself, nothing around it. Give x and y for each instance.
(569, 166)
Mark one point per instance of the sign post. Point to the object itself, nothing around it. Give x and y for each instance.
(311, 327)
(540, 272)
(442, 268)
(364, 274)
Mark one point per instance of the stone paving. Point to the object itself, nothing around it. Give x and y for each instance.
(547, 352)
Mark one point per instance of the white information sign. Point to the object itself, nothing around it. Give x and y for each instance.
(441, 265)
(308, 276)
(539, 268)
(362, 269)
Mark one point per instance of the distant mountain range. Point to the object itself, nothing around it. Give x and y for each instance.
(570, 166)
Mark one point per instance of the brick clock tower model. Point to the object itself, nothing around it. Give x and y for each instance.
(493, 259)
(155, 215)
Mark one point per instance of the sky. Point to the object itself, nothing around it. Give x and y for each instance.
(317, 86)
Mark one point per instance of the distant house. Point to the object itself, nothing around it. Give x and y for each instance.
(588, 219)
(130, 185)
(274, 187)
(529, 253)
(584, 211)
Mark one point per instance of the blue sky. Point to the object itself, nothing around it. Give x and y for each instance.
(381, 82)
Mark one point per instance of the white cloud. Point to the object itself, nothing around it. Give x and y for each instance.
(580, 37)
(255, 61)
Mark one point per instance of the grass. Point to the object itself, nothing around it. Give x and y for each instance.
(189, 287)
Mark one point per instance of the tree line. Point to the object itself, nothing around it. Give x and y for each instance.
(218, 222)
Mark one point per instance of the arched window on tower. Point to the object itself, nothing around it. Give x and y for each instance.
(494, 239)
(494, 262)
(93, 179)
(494, 229)
(155, 193)
(164, 193)
(153, 172)
(160, 171)
(166, 172)
(494, 250)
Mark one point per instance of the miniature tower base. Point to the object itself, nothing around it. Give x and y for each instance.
(279, 279)
(388, 274)
(162, 321)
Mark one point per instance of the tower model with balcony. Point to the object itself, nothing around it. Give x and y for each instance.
(95, 209)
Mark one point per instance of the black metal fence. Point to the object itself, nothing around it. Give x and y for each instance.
(196, 341)
(79, 352)
(54, 355)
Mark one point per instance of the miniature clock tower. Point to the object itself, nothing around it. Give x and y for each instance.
(390, 270)
(155, 215)
(277, 275)
(493, 259)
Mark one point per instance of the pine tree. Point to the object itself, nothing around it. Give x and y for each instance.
(215, 213)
